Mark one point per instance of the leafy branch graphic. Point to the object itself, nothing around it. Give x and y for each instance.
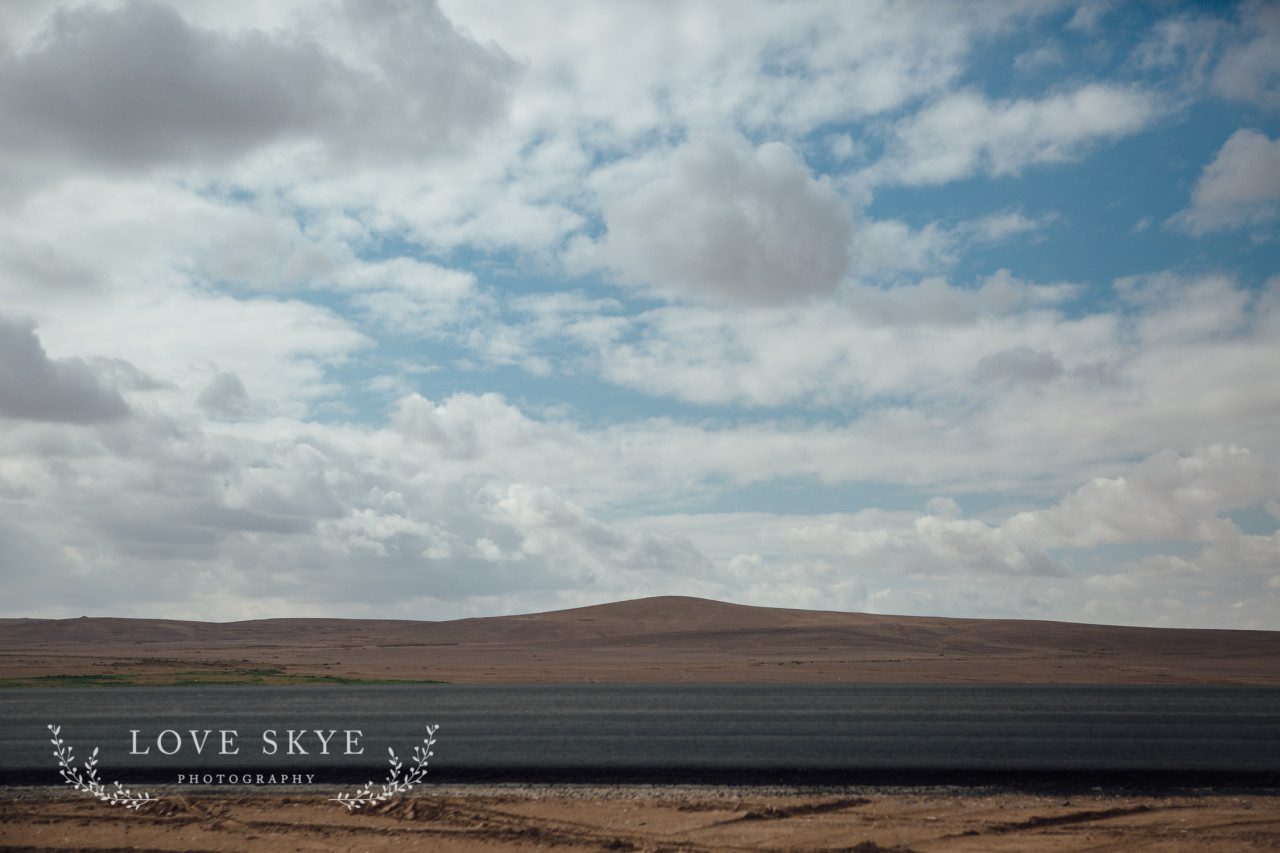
(395, 784)
(88, 780)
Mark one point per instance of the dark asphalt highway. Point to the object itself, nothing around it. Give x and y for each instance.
(1060, 736)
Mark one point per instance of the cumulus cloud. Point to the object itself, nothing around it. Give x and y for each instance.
(1186, 364)
(1183, 45)
(1250, 69)
(246, 232)
(550, 525)
(1239, 187)
(965, 133)
(832, 353)
(447, 85)
(1244, 170)
(732, 222)
(137, 85)
(1175, 309)
(36, 387)
(1020, 364)
(1089, 14)
(1171, 509)
(1168, 496)
(888, 247)
(451, 503)
(458, 504)
(181, 285)
(971, 544)
(408, 296)
(820, 64)
(224, 396)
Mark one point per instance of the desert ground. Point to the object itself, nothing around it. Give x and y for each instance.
(650, 640)
(667, 639)
(622, 818)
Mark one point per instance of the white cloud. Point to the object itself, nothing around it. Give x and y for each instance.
(1167, 497)
(965, 133)
(837, 354)
(1000, 226)
(1019, 364)
(292, 211)
(136, 85)
(553, 527)
(1238, 188)
(949, 374)
(1250, 69)
(461, 498)
(1246, 169)
(1183, 46)
(1037, 58)
(1088, 14)
(731, 222)
(224, 397)
(971, 544)
(1224, 584)
(884, 247)
(1180, 311)
(1170, 505)
(616, 86)
(408, 296)
(36, 387)
(277, 508)
(624, 72)
(888, 246)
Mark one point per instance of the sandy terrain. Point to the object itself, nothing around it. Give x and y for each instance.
(656, 639)
(489, 819)
(662, 639)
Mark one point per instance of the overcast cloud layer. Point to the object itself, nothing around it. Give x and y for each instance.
(386, 308)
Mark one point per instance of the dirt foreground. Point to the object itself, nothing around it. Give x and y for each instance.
(646, 818)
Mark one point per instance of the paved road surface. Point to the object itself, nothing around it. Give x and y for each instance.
(1065, 735)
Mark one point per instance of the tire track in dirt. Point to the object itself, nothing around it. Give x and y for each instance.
(802, 810)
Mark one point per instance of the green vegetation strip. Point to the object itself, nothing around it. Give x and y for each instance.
(200, 679)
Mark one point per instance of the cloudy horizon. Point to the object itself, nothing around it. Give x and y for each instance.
(405, 310)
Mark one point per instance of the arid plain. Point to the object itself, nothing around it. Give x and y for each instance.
(666, 639)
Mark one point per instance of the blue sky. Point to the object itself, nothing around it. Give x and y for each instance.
(397, 309)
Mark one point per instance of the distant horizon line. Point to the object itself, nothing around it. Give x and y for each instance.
(630, 601)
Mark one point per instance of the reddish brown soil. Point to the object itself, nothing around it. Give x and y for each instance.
(655, 640)
(647, 819)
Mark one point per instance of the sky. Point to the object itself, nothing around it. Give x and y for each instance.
(401, 310)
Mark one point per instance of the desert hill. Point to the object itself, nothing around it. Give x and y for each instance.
(668, 638)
